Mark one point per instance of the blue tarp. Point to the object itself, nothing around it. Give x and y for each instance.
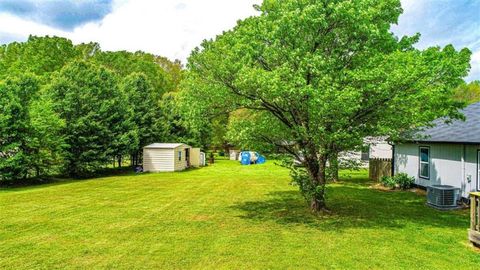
(247, 158)
(261, 159)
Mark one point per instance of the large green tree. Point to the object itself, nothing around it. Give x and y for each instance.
(179, 126)
(319, 76)
(15, 97)
(88, 100)
(30, 143)
(145, 112)
(46, 140)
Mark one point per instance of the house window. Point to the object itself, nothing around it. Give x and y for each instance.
(179, 155)
(424, 162)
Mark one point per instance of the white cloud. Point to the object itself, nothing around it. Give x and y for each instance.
(19, 27)
(171, 28)
(475, 63)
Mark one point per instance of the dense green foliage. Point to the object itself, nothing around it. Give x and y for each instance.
(317, 77)
(15, 127)
(226, 216)
(30, 140)
(140, 94)
(75, 109)
(39, 55)
(125, 63)
(87, 98)
(468, 93)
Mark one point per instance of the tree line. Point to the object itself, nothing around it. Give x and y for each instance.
(72, 109)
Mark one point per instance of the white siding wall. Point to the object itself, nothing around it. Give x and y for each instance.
(195, 157)
(406, 160)
(381, 150)
(471, 168)
(180, 165)
(158, 160)
(446, 165)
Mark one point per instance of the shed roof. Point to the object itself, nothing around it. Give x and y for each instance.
(458, 131)
(165, 145)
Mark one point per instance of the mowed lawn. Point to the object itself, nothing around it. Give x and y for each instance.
(225, 216)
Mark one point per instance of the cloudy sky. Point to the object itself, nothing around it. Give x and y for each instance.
(173, 28)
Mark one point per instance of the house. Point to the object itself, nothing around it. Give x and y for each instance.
(446, 154)
(378, 148)
(374, 148)
(170, 157)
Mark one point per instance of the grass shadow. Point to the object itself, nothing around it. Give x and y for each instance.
(352, 206)
(33, 183)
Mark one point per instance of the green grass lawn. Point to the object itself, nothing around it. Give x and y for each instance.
(225, 216)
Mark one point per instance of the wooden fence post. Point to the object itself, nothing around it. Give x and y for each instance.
(474, 232)
(379, 167)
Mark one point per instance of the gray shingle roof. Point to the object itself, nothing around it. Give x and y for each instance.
(458, 131)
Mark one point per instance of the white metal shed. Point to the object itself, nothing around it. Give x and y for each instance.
(166, 157)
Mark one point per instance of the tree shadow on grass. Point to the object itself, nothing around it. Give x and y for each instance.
(30, 184)
(352, 206)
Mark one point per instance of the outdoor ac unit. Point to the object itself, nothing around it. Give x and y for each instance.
(442, 196)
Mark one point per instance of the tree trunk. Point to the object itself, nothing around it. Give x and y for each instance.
(333, 166)
(226, 149)
(318, 201)
(119, 161)
(316, 167)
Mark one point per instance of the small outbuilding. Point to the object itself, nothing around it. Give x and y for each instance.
(166, 157)
(234, 154)
(197, 158)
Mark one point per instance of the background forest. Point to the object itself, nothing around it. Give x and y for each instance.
(74, 109)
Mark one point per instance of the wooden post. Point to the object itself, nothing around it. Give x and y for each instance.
(478, 212)
(473, 209)
(474, 232)
(379, 167)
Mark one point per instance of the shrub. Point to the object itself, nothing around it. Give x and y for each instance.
(401, 180)
(388, 181)
(404, 181)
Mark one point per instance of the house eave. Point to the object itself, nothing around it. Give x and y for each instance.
(436, 142)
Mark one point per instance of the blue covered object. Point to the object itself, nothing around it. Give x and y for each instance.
(248, 158)
(245, 158)
(261, 159)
